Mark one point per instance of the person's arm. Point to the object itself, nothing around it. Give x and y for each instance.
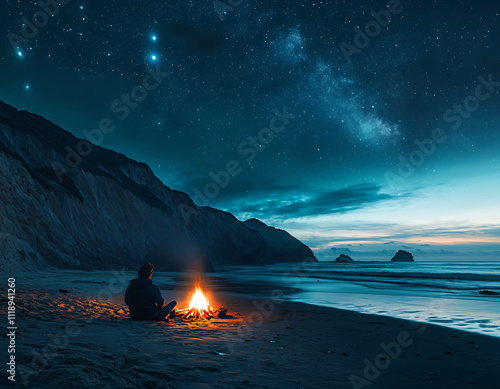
(158, 297)
(126, 299)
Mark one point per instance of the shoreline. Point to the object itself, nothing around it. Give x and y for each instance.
(443, 325)
(211, 282)
(78, 340)
(423, 297)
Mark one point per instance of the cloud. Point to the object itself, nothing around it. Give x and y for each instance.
(340, 250)
(268, 199)
(312, 204)
(236, 194)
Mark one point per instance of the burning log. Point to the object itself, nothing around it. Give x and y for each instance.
(200, 309)
(197, 314)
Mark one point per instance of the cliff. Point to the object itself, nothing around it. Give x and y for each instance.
(289, 248)
(69, 204)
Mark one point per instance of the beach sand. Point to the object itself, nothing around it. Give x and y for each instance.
(76, 340)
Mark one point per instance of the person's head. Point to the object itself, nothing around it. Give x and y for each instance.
(146, 271)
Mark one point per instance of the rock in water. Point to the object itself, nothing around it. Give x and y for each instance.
(489, 292)
(70, 204)
(402, 256)
(344, 258)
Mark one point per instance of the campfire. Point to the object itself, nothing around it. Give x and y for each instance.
(199, 308)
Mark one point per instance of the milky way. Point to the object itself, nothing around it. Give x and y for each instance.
(353, 143)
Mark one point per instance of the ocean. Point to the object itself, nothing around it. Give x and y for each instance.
(446, 294)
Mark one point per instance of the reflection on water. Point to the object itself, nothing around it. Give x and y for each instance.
(444, 294)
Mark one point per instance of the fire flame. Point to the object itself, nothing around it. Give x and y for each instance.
(199, 308)
(199, 301)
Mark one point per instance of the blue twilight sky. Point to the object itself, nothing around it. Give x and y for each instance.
(330, 128)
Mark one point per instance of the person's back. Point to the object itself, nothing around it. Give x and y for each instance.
(144, 298)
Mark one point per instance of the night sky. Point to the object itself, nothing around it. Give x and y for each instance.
(361, 146)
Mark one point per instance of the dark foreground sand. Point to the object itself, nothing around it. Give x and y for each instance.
(76, 340)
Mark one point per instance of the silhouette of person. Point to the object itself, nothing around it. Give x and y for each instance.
(144, 299)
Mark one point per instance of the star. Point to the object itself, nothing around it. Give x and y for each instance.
(153, 57)
(153, 37)
(27, 87)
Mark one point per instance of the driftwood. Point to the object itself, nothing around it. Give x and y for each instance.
(201, 314)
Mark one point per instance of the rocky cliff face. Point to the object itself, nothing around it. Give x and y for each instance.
(288, 248)
(65, 207)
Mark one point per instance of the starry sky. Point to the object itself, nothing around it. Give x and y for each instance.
(384, 134)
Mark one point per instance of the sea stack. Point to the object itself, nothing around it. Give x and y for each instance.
(403, 256)
(344, 259)
(489, 292)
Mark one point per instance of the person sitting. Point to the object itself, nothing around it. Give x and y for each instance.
(144, 299)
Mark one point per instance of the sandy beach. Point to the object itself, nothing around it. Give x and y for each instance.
(84, 338)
